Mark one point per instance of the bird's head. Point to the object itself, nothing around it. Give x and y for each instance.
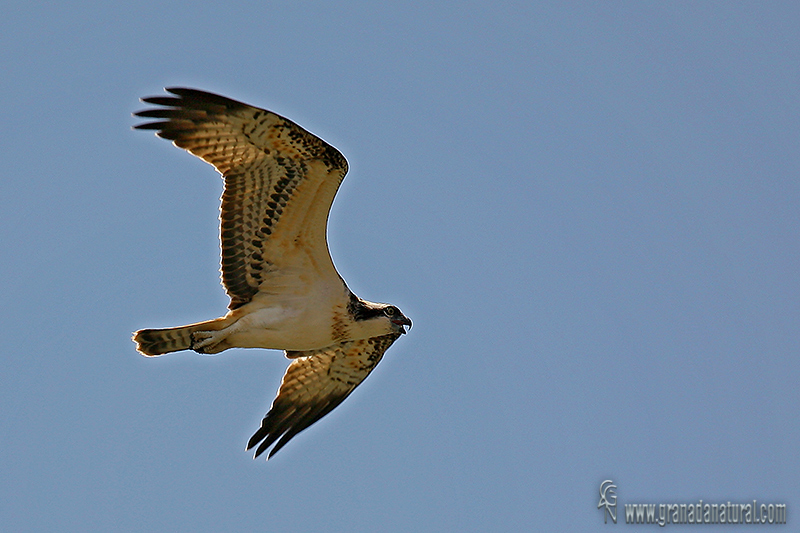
(396, 318)
(378, 319)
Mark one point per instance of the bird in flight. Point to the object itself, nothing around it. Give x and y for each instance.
(279, 184)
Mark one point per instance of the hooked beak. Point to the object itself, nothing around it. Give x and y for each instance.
(400, 322)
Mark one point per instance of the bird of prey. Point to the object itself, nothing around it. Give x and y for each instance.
(279, 184)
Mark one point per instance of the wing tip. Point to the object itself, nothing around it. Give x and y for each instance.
(149, 126)
(271, 433)
(185, 95)
(263, 442)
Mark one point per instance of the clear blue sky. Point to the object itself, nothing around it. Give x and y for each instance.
(589, 210)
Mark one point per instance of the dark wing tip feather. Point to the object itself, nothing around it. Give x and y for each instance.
(284, 422)
(196, 97)
(188, 105)
(170, 101)
(161, 112)
(150, 126)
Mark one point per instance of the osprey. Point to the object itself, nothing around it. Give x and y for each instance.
(285, 292)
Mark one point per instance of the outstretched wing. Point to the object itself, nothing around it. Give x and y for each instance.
(314, 384)
(280, 181)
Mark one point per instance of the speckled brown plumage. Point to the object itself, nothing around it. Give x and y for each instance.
(264, 158)
(315, 383)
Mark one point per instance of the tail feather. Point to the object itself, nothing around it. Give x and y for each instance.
(160, 341)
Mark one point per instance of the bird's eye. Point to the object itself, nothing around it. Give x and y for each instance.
(389, 311)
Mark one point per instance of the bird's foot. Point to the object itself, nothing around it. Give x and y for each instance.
(207, 342)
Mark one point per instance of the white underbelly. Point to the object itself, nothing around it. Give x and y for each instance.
(281, 328)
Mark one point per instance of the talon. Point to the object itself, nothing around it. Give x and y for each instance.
(201, 340)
